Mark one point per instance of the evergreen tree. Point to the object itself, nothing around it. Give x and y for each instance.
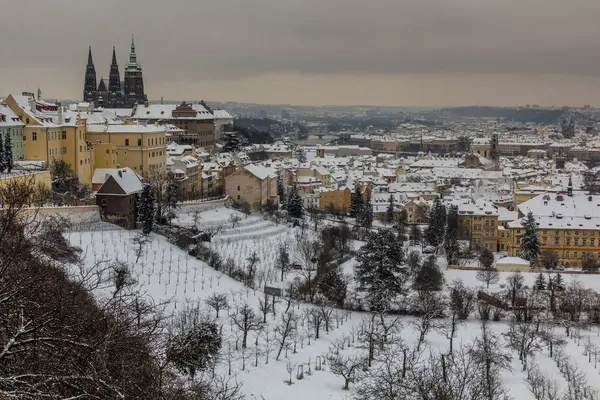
(8, 156)
(380, 272)
(146, 209)
(294, 203)
(540, 282)
(2, 156)
(389, 213)
(171, 196)
(557, 282)
(451, 238)
(437, 224)
(301, 155)
(365, 218)
(356, 202)
(429, 277)
(280, 190)
(333, 285)
(231, 142)
(416, 234)
(530, 243)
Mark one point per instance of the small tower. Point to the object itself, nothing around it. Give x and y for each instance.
(89, 88)
(494, 153)
(570, 187)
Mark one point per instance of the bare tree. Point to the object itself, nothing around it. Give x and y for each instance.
(246, 320)
(140, 241)
(430, 307)
(265, 307)
(234, 219)
(541, 385)
(284, 331)
(346, 367)
(218, 302)
(488, 275)
(491, 358)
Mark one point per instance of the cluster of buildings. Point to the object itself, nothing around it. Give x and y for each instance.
(492, 192)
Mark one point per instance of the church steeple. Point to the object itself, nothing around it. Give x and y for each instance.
(114, 82)
(133, 64)
(133, 80)
(89, 88)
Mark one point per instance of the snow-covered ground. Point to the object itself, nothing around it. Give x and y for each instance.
(167, 274)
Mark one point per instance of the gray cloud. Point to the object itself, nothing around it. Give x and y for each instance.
(190, 41)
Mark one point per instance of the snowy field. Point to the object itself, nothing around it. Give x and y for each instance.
(168, 275)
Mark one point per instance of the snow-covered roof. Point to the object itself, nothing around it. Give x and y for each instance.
(260, 171)
(512, 261)
(126, 178)
(222, 114)
(561, 222)
(578, 205)
(8, 118)
(165, 111)
(142, 129)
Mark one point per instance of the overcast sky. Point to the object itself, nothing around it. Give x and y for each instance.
(386, 52)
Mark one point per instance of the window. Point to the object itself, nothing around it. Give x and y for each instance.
(24, 137)
(574, 254)
(238, 187)
(126, 142)
(107, 151)
(64, 134)
(518, 240)
(80, 162)
(140, 142)
(568, 254)
(34, 136)
(103, 202)
(556, 241)
(584, 242)
(26, 120)
(238, 196)
(64, 150)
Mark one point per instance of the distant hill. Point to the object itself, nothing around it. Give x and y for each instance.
(534, 115)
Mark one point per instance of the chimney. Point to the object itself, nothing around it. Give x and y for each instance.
(120, 174)
(146, 104)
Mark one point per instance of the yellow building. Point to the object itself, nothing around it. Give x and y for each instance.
(338, 200)
(139, 147)
(105, 155)
(568, 226)
(571, 239)
(479, 223)
(34, 177)
(54, 135)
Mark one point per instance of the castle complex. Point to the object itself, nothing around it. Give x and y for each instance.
(118, 94)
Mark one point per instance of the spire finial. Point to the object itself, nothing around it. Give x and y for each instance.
(114, 56)
(90, 61)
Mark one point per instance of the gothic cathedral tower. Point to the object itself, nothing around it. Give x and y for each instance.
(89, 88)
(115, 92)
(134, 82)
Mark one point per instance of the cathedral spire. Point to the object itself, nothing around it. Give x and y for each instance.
(114, 83)
(114, 57)
(89, 87)
(90, 60)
